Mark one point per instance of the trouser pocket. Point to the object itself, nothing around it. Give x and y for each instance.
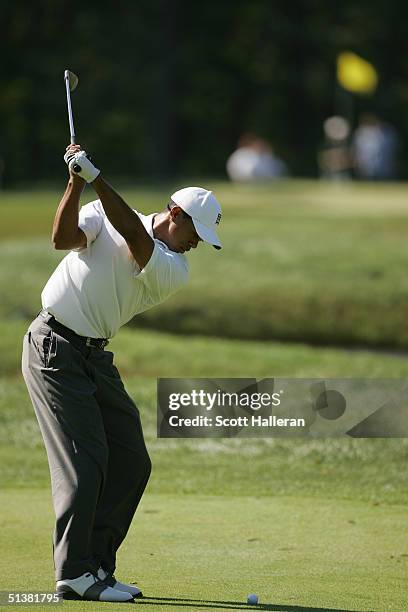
(52, 350)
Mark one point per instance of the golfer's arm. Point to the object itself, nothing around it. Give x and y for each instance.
(125, 221)
(65, 232)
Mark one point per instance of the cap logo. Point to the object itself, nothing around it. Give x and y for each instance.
(218, 219)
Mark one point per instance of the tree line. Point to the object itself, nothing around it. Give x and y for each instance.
(167, 87)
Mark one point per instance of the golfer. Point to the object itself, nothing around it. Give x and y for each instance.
(120, 263)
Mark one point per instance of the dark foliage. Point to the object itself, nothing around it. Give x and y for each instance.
(167, 86)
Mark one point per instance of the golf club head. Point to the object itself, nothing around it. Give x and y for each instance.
(72, 79)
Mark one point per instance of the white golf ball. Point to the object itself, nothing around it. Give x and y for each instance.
(252, 599)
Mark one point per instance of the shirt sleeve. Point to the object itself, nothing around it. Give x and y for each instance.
(165, 273)
(90, 221)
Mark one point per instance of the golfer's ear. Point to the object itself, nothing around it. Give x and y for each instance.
(175, 212)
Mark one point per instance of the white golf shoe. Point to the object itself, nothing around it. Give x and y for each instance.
(111, 581)
(89, 587)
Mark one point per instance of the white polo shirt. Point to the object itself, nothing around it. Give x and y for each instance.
(97, 289)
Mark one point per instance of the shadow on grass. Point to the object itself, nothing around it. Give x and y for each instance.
(230, 605)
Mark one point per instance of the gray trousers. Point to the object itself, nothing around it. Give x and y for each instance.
(98, 461)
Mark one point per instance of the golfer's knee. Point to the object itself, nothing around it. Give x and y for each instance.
(142, 469)
(148, 466)
(145, 465)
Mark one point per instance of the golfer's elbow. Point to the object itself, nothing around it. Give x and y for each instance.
(60, 245)
(62, 242)
(56, 241)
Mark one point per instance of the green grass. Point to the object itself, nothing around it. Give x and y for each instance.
(209, 552)
(302, 261)
(306, 524)
(145, 353)
(368, 470)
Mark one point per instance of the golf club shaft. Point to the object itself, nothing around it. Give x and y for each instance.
(70, 118)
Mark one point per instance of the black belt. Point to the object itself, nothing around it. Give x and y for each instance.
(69, 334)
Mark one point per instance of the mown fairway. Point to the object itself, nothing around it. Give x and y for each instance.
(196, 552)
(307, 525)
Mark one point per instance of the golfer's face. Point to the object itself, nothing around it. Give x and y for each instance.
(182, 233)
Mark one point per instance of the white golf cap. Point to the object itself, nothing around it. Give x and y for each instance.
(204, 209)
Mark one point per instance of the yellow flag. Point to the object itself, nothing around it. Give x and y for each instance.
(356, 74)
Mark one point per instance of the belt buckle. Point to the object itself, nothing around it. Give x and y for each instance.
(95, 343)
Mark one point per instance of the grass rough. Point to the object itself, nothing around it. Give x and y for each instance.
(301, 262)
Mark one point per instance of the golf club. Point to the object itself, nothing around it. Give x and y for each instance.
(71, 82)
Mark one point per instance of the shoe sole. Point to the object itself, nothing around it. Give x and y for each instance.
(71, 595)
(111, 582)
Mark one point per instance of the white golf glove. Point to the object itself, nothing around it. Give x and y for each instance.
(80, 164)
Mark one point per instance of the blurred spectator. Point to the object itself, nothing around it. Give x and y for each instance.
(254, 160)
(334, 159)
(375, 145)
